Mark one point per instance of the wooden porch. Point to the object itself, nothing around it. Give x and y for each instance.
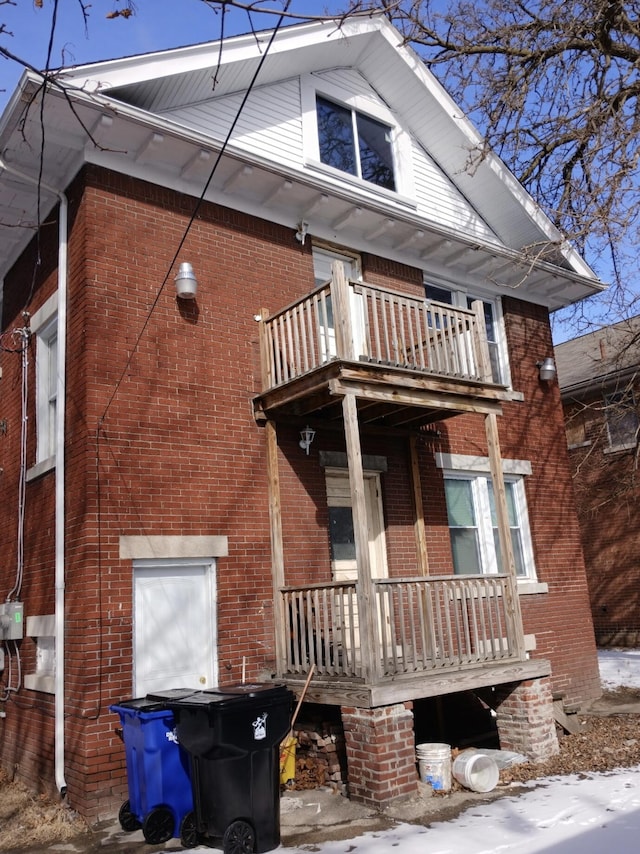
(359, 358)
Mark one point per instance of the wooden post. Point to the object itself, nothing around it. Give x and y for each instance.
(341, 311)
(504, 530)
(365, 593)
(481, 343)
(265, 352)
(277, 551)
(421, 541)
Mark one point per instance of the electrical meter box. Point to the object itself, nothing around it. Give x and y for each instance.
(11, 622)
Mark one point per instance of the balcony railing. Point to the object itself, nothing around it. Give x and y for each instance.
(350, 320)
(424, 625)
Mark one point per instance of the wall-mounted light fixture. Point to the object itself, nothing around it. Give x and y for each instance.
(186, 283)
(547, 369)
(306, 438)
(301, 233)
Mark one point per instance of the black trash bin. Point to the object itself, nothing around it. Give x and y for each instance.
(233, 736)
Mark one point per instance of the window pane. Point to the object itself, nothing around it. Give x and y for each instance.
(516, 536)
(462, 527)
(335, 135)
(622, 418)
(464, 549)
(341, 536)
(439, 294)
(459, 503)
(492, 338)
(376, 157)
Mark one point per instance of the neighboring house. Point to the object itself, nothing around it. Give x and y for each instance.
(600, 387)
(348, 466)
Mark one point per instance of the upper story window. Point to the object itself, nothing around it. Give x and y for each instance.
(621, 416)
(355, 143)
(493, 324)
(44, 325)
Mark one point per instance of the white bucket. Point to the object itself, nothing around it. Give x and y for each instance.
(476, 771)
(434, 763)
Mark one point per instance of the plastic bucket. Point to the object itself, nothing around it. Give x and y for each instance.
(434, 763)
(476, 771)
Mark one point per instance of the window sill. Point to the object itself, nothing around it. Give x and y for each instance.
(575, 445)
(46, 684)
(41, 468)
(366, 187)
(616, 449)
(526, 587)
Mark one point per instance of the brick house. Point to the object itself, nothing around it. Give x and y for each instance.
(598, 376)
(337, 455)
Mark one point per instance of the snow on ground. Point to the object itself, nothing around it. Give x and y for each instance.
(619, 667)
(560, 815)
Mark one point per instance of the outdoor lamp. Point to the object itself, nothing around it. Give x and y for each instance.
(547, 369)
(186, 284)
(306, 438)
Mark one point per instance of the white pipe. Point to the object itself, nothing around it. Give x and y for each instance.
(60, 467)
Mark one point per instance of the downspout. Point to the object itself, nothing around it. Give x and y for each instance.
(60, 469)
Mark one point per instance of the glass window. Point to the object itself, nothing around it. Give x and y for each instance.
(495, 341)
(46, 389)
(355, 143)
(622, 418)
(473, 525)
(341, 535)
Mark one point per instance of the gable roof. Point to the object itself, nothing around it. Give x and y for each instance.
(133, 114)
(599, 358)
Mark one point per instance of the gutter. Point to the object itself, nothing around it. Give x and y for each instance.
(63, 275)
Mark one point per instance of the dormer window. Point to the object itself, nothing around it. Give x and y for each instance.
(355, 143)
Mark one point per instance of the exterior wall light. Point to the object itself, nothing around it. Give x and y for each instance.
(547, 369)
(186, 283)
(306, 438)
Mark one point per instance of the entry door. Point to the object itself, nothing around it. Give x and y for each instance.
(174, 643)
(342, 539)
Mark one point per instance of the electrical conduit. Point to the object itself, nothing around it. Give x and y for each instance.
(60, 467)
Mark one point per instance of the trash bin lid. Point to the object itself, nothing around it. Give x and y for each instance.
(248, 689)
(140, 704)
(172, 694)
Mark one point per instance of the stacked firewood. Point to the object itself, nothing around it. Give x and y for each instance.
(320, 756)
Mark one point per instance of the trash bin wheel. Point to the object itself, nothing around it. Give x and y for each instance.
(157, 826)
(239, 838)
(189, 831)
(128, 819)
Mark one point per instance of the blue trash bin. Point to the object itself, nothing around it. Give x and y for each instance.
(158, 779)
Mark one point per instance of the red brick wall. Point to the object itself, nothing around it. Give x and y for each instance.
(162, 440)
(607, 494)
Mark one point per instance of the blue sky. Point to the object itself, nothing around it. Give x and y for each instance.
(157, 25)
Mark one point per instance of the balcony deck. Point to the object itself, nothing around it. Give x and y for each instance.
(434, 635)
(408, 361)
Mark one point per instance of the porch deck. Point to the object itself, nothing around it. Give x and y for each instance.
(433, 635)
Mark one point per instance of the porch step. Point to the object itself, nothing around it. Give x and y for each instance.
(570, 723)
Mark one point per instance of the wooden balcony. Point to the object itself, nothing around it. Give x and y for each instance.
(433, 635)
(358, 357)
(408, 361)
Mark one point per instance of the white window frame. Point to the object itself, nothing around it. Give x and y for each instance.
(44, 326)
(476, 470)
(310, 86)
(460, 298)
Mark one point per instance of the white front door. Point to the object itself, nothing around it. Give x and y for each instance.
(174, 639)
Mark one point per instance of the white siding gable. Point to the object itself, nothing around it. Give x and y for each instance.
(271, 125)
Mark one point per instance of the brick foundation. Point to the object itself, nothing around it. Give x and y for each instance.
(525, 719)
(380, 753)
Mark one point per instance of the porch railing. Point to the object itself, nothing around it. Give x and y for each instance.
(424, 624)
(351, 320)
